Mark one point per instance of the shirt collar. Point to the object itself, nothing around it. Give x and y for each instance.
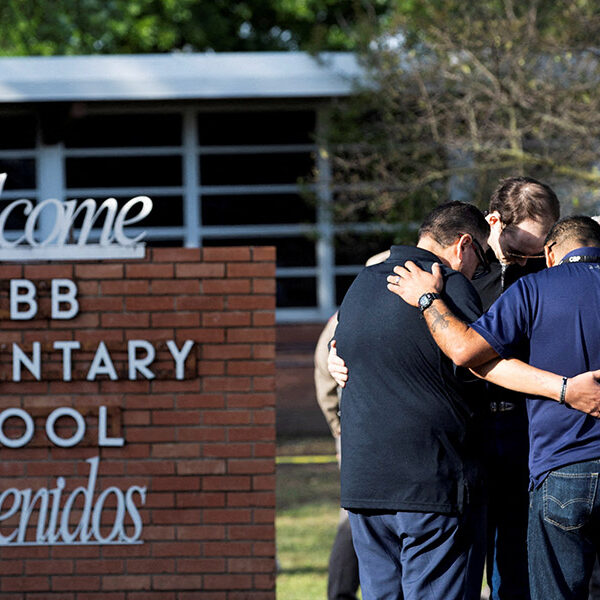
(584, 251)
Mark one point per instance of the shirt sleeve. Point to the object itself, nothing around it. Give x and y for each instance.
(506, 325)
(461, 297)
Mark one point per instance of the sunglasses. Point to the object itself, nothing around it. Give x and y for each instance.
(513, 254)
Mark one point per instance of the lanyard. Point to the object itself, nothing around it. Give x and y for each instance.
(585, 258)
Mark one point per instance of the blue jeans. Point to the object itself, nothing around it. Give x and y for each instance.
(564, 532)
(420, 556)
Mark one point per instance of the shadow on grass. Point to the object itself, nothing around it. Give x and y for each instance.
(303, 571)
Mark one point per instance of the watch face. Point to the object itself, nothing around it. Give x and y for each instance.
(424, 301)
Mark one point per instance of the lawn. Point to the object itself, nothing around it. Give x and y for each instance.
(307, 515)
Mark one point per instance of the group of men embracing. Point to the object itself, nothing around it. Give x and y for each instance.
(432, 448)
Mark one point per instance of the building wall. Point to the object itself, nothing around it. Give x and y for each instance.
(202, 446)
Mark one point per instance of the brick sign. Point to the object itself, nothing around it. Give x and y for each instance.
(137, 434)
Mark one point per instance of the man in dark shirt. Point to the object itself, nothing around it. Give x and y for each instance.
(549, 319)
(411, 473)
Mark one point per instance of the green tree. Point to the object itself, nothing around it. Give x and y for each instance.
(59, 27)
(460, 94)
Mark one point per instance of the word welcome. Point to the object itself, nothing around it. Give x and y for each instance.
(54, 222)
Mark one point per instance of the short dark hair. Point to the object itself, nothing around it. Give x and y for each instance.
(447, 222)
(580, 230)
(520, 198)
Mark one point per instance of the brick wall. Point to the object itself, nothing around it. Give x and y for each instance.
(203, 446)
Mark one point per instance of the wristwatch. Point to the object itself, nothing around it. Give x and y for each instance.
(426, 300)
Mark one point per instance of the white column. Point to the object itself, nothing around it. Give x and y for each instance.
(191, 180)
(50, 175)
(325, 242)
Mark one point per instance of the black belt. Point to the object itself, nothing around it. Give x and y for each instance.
(496, 406)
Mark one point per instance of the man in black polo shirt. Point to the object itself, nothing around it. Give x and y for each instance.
(411, 473)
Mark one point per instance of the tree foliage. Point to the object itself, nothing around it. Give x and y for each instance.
(463, 94)
(63, 27)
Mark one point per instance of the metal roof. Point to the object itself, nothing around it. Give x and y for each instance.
(176, 76)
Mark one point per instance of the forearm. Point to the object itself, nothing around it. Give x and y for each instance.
(518, 376)
(464, 346)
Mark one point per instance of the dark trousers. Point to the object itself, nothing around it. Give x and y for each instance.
(420, 556)
(508, 504)
(343, 578)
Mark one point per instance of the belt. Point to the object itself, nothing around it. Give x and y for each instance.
(501, 406)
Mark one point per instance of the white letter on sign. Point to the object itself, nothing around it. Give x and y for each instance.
(179, 356)
(18, 297)
(34, 365)
(66, 296)
(103, 439)
(140, 364)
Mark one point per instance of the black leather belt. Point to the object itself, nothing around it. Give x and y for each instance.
(501, 406)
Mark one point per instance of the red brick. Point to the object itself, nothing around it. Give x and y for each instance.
(73, 583)
(227, 319)
(99, 271)
(175, 483)
(176, 254)
(166, 286)
(177, 582)
(247, 434)
(225, 351)
(226, 254)
(250, 565)
(264, 286)
(227, 515)
(227, 582)
(200, 565)
(199, 270)
(251, 367)
(226, 286)
(108, 303)
(150, 303)
(126, 287)
(150, 565)
(252, 532)
(226, 384)
(263, 319)
(149, 271)
(25, 584)
(250, 400)
(200, 499)
(98, 566)
(178, 450)
(266, 253)
(46, 567)
(244, 335)
(201, 401)
(228, 450)
(227, 417)
(250, 467)
(179, 417)
(251, 270)
(178, 319)
(251, 302)
(48, 272)
(225, 483)
(200, 467)
(200, 303)
(126, 582)
(176, 548)
(125, 320)
(228, 548)
(251, 499)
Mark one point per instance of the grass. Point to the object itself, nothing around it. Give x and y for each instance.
(306, 521)
(307, 515)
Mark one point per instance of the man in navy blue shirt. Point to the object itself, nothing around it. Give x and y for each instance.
(549, 319)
